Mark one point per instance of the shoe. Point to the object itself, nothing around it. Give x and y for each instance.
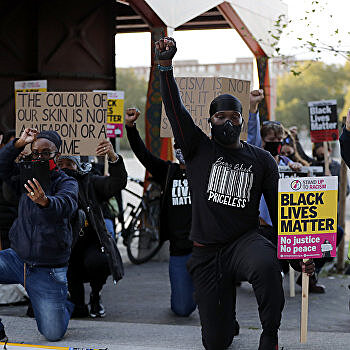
(3, 338)
(80, 311)
(96, 308)
(268, 342)
(236, 330)
(314, 287)
(30, 311)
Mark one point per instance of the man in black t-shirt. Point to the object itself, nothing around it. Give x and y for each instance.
(175, 214)
(227, 178)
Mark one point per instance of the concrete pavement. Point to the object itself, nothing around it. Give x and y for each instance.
(138, 317)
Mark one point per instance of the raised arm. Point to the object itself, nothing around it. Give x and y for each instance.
(156, 166)
(186, 133)
(254, 137)
(108, 186)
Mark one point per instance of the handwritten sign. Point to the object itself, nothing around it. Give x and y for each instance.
(197, 93)
(80, 118)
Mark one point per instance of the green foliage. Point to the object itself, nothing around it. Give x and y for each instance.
(346, 106)
(135, 96)
(318, 82)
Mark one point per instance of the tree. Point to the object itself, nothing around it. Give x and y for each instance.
(306, 37)
(135, 96)
(319, 82)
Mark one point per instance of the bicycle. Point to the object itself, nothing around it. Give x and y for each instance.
(140, 231)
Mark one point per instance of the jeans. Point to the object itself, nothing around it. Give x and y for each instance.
(110, 227)
(182, 300)
(47, 290)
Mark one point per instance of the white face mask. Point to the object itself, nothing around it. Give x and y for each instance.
(179, 156)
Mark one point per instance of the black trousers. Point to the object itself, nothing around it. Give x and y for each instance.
(214, 271)
(87, 264)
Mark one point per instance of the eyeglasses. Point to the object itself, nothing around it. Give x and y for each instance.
(267, 122)
(44, 154)
(234, 115)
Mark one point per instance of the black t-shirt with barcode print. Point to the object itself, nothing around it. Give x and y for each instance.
(226, 184)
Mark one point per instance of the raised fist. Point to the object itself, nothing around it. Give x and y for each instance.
(131, 115)
(165, 49)
(256, 96)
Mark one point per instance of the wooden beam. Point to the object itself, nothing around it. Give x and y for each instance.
(236, 22)
(206, 23)
(132, 26)
(147, 13)
(127, 18)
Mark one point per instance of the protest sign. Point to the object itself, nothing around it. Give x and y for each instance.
(286, 171)
(197, 93)
(115, 112)
(323, 121)
(31, 86)
(80, 118)
(307, 217)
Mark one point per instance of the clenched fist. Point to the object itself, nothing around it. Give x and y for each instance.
(131, 115)
(165, 50)
(256, 96)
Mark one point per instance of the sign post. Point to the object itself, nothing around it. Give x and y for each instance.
(307, 225)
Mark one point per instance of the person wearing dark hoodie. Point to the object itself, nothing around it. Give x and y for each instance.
(227, 178)
(175, 214)
(41, 236)
(95, 255)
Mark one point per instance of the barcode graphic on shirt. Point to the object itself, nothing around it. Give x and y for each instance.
(230, 182)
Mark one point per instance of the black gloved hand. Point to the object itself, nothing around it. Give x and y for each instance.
(165, 49)
(307, 267)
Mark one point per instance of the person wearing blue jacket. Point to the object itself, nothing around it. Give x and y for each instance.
(41, 236)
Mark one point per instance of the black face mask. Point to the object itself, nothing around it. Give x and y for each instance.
(273, 147)
(70, 172)
(227, 133)
(320, 158)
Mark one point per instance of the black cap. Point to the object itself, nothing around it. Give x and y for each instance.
(225, 102)
(52, 136)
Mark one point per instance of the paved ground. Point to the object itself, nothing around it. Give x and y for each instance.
(138, 317)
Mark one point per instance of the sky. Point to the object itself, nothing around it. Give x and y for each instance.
(134, 49)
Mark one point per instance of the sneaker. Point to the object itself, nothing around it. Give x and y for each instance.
(80, 311)
(3, 338)
(30, 311)
(96, 307)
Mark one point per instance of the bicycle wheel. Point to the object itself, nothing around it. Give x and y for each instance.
(144, 243)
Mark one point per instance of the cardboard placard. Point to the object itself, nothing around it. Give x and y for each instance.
(115, 113)
(79, 117)
(197, 93)
(323, 121)
(307, 217)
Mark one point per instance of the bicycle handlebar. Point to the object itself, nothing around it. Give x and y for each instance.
(138, 181)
